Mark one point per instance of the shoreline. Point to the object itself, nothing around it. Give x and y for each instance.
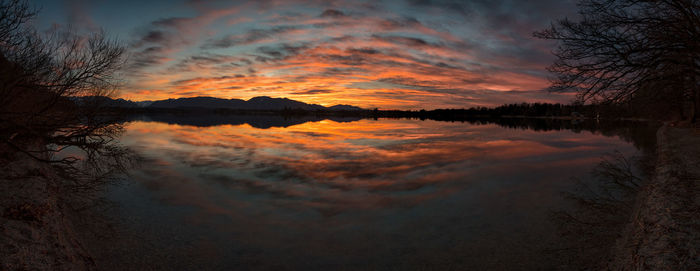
(36, 230)
(663, 232)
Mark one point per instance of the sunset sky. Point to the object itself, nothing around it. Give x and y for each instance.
(388, 54)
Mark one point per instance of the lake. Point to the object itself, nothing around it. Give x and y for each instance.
(274, 193)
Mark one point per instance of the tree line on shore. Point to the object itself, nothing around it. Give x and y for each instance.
(554, 110)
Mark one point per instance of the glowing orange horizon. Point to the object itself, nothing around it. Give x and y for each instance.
(408, 85)
(366, 58)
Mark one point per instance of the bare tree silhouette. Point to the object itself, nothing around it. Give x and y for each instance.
(39, 76)
(619, 47)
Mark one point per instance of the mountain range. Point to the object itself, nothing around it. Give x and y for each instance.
(256, 103)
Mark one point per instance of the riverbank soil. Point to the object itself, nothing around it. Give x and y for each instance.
(664, 233)
(35, 233)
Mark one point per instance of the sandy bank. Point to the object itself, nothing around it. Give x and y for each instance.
(35, 233)
(664, 232)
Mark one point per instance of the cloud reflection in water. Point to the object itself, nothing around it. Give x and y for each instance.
(361, 191)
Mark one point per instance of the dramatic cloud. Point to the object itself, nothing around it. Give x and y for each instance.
(314, 91)
(388, 54)
(250, 37)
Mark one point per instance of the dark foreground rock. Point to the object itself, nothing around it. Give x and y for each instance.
(35, 232)
(664, 232)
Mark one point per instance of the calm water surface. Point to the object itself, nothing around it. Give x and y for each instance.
(351, 195)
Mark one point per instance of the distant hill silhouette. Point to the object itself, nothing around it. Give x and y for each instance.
(198, 102)
(344, 107)
(104, 101)
(257, 103)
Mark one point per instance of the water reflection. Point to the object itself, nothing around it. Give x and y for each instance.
(601, 209)
(365, 194)
(256, 121)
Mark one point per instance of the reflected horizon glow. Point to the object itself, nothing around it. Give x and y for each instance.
(336, 189)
